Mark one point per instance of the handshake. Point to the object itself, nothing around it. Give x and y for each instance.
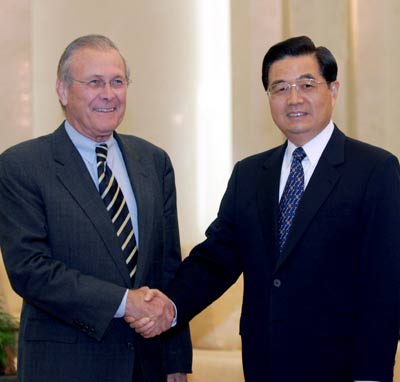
(149, 311)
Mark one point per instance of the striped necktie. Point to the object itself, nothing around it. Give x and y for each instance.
(291, 195)
(115, 203)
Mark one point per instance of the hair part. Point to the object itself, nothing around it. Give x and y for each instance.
(300, 46)
(93, 41)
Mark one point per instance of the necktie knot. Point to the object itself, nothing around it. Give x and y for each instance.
(299, 154)
(101, 153)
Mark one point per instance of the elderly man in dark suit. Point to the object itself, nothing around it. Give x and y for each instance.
(313, 225)
(87, 217)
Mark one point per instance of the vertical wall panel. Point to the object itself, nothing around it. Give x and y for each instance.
(378, 105)
(256, 25)
(15, 46)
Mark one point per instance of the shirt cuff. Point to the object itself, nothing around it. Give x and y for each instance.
(175, 320)
(122, 307)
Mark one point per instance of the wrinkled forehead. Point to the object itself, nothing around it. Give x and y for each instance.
(97, 61)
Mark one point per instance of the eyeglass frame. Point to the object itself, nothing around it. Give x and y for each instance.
(98, 84)
(295, 84)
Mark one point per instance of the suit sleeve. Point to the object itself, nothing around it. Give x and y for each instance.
(212, 266)
(377, 326)
(43, 281)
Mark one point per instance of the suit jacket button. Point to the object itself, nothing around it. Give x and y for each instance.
(277, 283)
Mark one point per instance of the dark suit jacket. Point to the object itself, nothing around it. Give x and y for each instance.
(326, 309)
(62, 256)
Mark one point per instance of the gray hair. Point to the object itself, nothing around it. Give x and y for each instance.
(94, 41)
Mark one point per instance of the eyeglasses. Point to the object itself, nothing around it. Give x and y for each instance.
(304, 86)
(98, 84)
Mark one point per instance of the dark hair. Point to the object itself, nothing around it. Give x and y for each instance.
(299, 46)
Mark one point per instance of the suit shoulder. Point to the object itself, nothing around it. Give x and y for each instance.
(27, 160)
(145, 151)
(365, 150)
(261, 158)
(27, 149)
(140, 144)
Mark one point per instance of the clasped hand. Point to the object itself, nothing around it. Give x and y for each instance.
(149, 311)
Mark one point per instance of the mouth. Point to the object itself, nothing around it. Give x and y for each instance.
(296, 114)
(105, 109)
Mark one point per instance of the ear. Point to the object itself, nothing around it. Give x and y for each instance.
(62, 92)
(334, 89)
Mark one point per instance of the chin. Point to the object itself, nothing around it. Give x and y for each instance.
(297, 129)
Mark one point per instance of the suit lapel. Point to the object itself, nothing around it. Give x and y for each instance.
(139, 175)
(321, 184)
(73, 174)
(268, 196)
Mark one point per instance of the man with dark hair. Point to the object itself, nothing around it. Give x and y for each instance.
(87, 217)
(313, 226)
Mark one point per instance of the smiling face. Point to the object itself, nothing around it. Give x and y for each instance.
(95, 113)
(298, 115)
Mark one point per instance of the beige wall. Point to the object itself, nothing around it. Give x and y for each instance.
(164, 42)
(15, 65)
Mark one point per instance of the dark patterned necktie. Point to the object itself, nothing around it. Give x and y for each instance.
(115, 203)
(291, 195)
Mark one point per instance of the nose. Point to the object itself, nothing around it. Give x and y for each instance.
(294, 96)
(107, 92)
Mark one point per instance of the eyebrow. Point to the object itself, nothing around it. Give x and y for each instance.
(303, 76)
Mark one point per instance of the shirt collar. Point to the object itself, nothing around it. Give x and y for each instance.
(315, 147)
(85, 145)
